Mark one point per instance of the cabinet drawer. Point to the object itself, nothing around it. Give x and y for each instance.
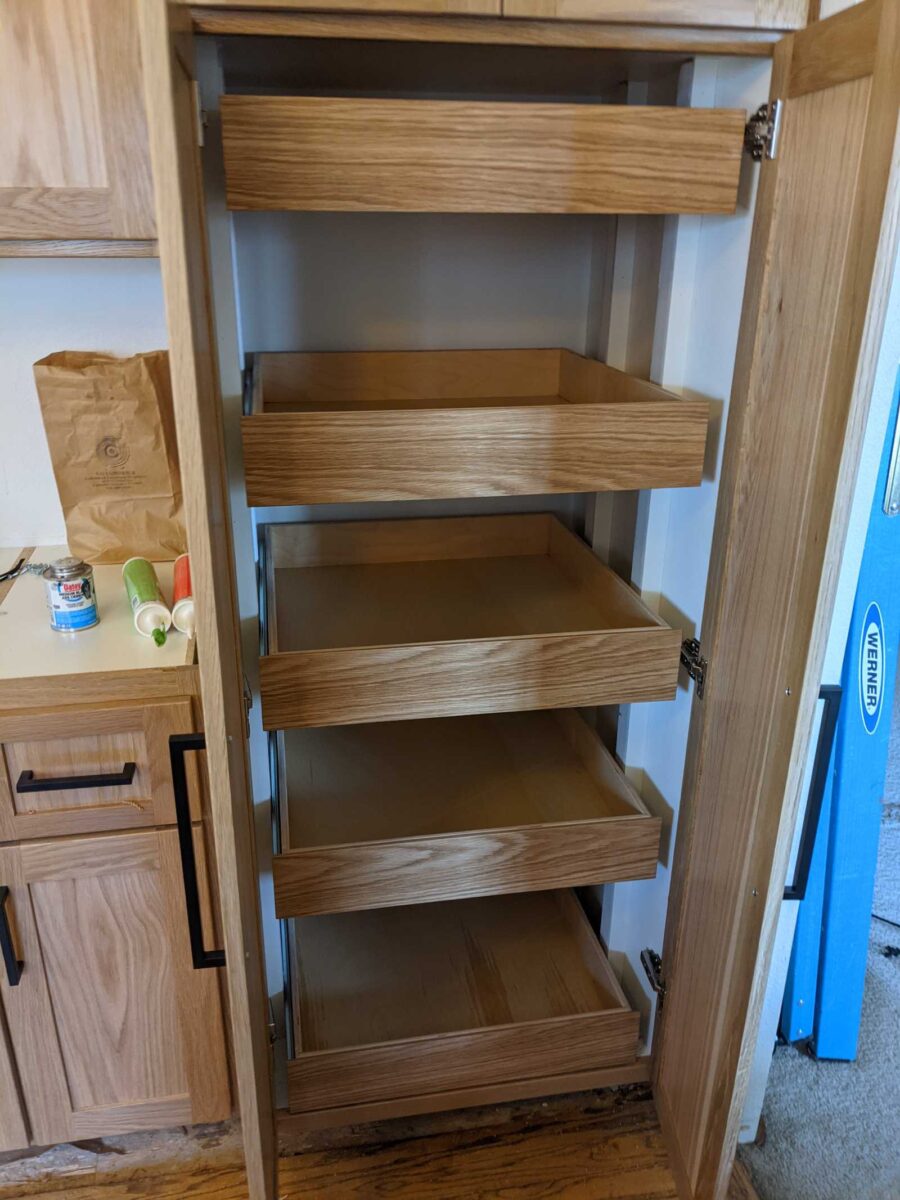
(386, 620)
(325, 154)
(79, 770)
(401, 812)
(330, 428)
(398, 1003)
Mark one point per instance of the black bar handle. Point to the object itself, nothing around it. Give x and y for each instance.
(71, 783)
(14, 966)
(831, 694)
(179, 745)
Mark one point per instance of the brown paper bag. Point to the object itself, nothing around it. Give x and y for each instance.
(111, 433)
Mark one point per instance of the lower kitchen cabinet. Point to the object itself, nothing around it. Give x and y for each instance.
(13, 1129)
(110, 1028)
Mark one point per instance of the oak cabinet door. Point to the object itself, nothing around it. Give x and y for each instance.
(112, 1028)
(13, 1127)
(434, 8)
(734, 14)
(86, 770)
(74, 156)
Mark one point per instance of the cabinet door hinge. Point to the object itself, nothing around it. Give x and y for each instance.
(200, 115)
(694, 663)
(762, 131)
(653, 968)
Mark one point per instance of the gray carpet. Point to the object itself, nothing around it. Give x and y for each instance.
(833, 1129)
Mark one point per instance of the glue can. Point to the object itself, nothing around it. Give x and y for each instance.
(183, 596)
(151, 616)
(71, 598)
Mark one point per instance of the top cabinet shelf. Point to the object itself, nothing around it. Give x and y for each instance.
(317, 154)
(439, 424)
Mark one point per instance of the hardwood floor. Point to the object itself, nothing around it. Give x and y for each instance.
(595, 1146)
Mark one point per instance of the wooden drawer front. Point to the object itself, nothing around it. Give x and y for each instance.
(112, 1028)
(406, 812)
(332, 155)
(331, 428)
(419, 978)
(62, 745)
(386, 620)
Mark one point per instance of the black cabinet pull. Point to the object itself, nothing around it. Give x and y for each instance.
(71, 783)
(179, 744)
(14, 967)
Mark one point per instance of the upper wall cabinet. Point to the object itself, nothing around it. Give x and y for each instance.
(732, 14)
(729, 14)
(74, 157)
(434, 8)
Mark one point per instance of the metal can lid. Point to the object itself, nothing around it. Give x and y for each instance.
(65, 568)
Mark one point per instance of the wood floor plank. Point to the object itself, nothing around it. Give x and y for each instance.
(595, 1147)
(600, 1145)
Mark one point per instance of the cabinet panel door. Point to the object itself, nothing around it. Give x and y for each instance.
(74, 161)
(13, 1129)
(64, 745)
(111, 1027)
(824, 240)
(728, 14)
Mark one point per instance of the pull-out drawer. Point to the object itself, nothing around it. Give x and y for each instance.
(329, 428)
(333, 154)
(400, 812)
(386, 620)
(74, 770)
(415, 1007)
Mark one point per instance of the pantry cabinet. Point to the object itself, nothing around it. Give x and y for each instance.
(438, 626)
(74, 163)
(112, 1028)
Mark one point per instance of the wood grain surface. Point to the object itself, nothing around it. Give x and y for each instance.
(824, 244)
(435, 7)
(112, 1028)
(404, 812)
(329, 428)
(91, 739)
(749, 14)
(324, 154)
(513, 987)
(597, 1145)
(599, 35)
(73, 142)
(72, 248)
(520, 616)
(170, 103)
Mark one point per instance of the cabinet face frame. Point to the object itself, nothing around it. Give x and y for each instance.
(170, 102)
(142, 729)
(90, 177)
(73, 995)
(834, 53)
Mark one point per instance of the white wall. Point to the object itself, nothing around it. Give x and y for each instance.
(114, 305)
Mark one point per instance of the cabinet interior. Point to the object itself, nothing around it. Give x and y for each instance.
(319, 297)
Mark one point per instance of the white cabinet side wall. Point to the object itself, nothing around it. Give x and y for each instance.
(702, 271)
